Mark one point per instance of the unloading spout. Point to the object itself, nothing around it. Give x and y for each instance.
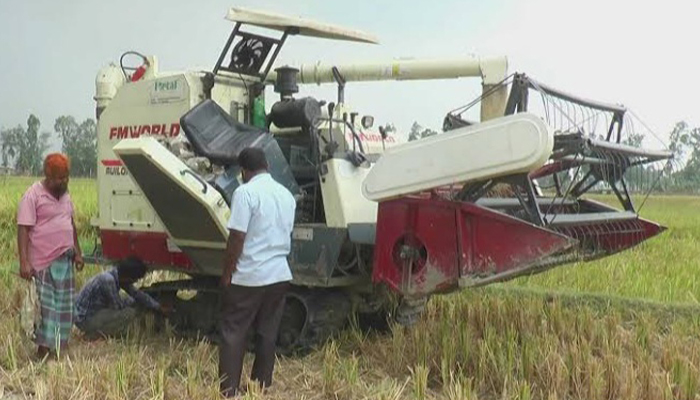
(491, 70)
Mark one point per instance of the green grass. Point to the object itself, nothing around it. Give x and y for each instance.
(665, 268)
(624, 327)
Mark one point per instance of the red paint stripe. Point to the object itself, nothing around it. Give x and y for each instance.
(112, 163)
(151, 247)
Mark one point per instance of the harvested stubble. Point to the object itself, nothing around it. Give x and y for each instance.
(497, 342)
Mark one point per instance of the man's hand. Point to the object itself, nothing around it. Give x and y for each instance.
(226, 277)
(78, 262)
(25, 271)
(234, 248)
(25, 268)
(166, 309)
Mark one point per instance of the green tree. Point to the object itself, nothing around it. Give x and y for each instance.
(25, 148)
(79, 143)
(678, 140)
(414, 133)
(418, 132)
(10, 145)
(634, 140)
(684, 169)
(691, 141)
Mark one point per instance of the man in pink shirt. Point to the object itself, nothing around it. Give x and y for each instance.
(48, 249)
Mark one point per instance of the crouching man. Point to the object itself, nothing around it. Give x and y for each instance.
(99, 308)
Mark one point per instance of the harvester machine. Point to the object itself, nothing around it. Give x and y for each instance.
(381, 223)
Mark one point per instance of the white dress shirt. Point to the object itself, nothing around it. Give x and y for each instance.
(264, 210)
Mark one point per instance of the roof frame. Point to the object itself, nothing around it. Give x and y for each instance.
(303, 26)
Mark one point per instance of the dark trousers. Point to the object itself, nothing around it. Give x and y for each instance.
(108, 322)
(243, 306)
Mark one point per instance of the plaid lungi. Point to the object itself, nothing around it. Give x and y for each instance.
(54, 286)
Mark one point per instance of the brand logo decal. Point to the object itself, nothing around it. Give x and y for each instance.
(135, 131)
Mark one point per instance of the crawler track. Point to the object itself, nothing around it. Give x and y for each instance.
(311, 315)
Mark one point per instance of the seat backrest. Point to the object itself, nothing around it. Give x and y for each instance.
(217, 136)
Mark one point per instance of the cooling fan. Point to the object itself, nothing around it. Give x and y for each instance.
(248, 55)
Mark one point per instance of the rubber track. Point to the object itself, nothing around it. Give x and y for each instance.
(327, 314)
(327, 311)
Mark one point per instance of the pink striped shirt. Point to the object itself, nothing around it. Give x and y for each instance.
(50, 222)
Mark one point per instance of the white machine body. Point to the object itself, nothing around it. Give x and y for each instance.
(130, 108)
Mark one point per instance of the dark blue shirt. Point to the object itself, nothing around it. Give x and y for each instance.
(102, 292)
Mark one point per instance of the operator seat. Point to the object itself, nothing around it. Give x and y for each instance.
(218, 137)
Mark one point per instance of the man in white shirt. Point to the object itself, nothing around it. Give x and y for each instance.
(256, 272)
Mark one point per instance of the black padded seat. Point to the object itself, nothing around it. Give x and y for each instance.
(217, 136)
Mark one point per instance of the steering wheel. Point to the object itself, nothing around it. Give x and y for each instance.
(138, 71)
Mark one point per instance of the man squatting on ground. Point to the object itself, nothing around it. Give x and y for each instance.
(48, 248)
(256, 272)
(101, 311)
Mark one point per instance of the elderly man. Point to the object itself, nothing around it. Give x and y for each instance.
(256, 273)
(48, 249)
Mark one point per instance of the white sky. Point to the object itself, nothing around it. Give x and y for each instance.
(641, 54)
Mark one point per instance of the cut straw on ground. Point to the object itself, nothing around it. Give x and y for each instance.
(625, 327)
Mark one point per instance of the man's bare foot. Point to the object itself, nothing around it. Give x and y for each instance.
(43, 353)
(91, 338)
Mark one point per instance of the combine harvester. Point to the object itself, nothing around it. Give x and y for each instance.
(377, 220)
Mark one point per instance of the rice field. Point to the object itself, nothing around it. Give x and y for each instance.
(666, 268)
(625, 327)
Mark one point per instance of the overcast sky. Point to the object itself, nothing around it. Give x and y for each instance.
(641, 54)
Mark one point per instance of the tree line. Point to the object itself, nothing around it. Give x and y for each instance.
(683, 172)
(680, 174)
(23, 148)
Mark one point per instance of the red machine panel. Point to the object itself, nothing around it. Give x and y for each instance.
(416, 246)
(426, 246)
(152, 248)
